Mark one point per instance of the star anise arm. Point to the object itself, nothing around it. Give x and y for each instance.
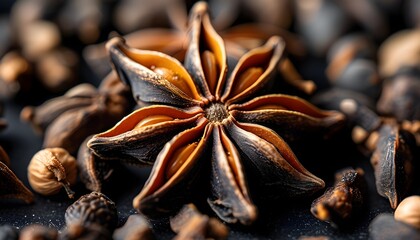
(229, 191)
(163, 40)
(205, 59)
(174, 172)
(154, 77)
(139, 137)
(11, 187)
(290, 116)
(253, 71)
(270, 160)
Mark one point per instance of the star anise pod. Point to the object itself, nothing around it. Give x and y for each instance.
(200, 124)
(11, 187)
(67, 120)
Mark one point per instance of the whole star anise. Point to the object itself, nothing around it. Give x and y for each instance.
(197, 123)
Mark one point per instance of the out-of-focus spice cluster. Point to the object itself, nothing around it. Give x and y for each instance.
(361, 58)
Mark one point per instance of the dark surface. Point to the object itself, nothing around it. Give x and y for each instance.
(278, 219)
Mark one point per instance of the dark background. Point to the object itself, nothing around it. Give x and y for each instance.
(278, 219)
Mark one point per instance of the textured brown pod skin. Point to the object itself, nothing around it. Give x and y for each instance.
(92, 208)
(392, 161)
(93, 171)
(342, 202)
(11, 187)
(51, 169)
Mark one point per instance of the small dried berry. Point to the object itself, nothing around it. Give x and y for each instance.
(92, 208)
(51, 169)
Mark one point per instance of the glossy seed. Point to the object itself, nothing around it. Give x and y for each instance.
(208, 60)
(270, 107)
(179, 157)
(246, 79)
(173, 78)
(152, 120)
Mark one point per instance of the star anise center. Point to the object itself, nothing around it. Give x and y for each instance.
(216, 112)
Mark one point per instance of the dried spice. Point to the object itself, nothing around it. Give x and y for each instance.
(392, 161)
(385, 227)
(341, 203)
(83, 19)
(38, 38)
(136, 227)
(38, 232)
(400, 97)
(346, 49)
(51, 169)
(93, 171)
(399, 50)
(189, 223)
(360, 115)
(57, 69)
(408, 211)
(67, 120)
(15, 74)
(197, 109)
(360, 75)
(8, 232)
(10, 185)
(92, 208)
(85, 232)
